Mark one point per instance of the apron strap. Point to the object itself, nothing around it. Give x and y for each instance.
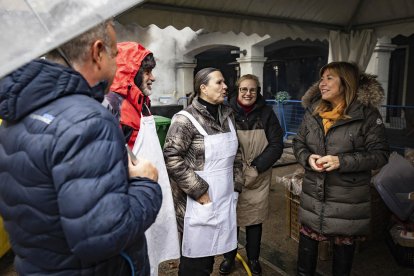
(148, 111)
(194, 122)
(231, 126)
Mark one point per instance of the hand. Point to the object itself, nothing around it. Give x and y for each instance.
(312, 163)
(204, 199)
(328, 162)
(142, 168)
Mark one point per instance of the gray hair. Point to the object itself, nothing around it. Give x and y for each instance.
(77, 49)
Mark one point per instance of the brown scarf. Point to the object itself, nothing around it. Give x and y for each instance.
(330, 117)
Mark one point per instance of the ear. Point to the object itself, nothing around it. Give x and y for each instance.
(98, 49)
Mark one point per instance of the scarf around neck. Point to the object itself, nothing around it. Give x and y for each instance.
(330, 117)
(246, 108)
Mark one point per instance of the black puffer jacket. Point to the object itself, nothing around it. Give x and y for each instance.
(338, 202)
(65, 197)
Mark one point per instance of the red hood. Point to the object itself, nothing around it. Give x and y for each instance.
(129, 59)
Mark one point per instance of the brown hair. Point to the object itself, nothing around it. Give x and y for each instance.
(348, 74)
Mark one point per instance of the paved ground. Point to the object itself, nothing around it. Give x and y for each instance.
(278, 250)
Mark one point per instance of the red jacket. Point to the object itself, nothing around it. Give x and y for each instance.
(130, 56)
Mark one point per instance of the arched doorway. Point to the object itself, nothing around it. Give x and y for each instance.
(220, 57)
(293, 66)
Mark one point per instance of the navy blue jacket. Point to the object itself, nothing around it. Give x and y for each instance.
(65, 196)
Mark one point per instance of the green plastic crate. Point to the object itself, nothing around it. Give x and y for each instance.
(162, 124)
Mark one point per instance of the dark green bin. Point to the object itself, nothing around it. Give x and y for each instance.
(162, 124)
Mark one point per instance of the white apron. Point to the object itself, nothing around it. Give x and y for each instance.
(162, 236)
(211, 229)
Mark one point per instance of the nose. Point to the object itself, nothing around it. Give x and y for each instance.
(151, 77)
(322, 83)
(224, 86)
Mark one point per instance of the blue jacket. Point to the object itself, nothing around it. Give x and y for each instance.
(65, 196)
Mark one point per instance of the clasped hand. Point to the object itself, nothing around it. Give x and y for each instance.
(323, 163)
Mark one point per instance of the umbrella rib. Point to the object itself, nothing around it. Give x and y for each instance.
(59, 49)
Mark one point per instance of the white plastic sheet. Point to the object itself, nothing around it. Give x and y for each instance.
(30, 28)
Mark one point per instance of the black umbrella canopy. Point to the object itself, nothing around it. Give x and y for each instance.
(30, 28)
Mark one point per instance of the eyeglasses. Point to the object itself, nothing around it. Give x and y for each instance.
(244, 90)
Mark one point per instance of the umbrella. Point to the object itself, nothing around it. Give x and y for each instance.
(30, 28)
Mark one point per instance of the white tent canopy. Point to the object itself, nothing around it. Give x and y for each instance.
(31, 27)
(351, 26)
(291, 18)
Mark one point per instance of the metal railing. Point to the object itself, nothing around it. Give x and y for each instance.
(398, 120)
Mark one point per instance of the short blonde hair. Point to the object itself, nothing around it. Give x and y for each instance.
(248, 77)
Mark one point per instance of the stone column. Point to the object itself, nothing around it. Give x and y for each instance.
(185, 78)
(379, 63)
(252, 65)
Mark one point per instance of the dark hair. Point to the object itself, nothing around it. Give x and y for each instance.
(202, 77)
(148, 63)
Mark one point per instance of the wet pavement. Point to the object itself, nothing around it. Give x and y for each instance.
(279, 250)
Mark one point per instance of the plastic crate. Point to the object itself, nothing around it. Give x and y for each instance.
(403, 255)
(162, 124)
(292, 207)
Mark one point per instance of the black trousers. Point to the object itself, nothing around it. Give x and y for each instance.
(253, 241)
(196, 266)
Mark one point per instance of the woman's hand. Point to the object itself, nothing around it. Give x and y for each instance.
(312, 163)
(328, 162)
(204, 199)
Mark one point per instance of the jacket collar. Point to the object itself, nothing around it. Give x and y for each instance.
(370, 93)
(38, 83)
(223, 112)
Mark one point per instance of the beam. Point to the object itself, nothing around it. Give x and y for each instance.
(384, 23)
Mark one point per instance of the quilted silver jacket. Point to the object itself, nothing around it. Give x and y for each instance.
(184, 154)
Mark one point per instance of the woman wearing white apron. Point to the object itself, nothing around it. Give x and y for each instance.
(200, 154)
